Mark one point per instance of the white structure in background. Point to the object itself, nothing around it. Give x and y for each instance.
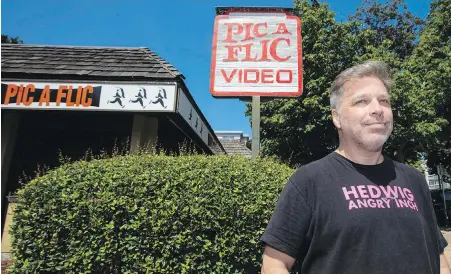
(433, 182)
(432, 179)
(234, 142)
(234, 135)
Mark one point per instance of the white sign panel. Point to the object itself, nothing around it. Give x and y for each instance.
(191, 116)
(83, 96)
(256, 54)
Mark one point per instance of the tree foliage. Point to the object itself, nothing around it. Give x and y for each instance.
(431, 63)
(300, 130)
(392, 22)
(6, 39)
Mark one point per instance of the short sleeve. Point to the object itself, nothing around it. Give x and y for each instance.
(443, 243)
(288, 226)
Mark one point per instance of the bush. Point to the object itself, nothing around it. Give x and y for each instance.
(147, 213)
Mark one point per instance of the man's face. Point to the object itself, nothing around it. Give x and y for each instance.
(364, 113)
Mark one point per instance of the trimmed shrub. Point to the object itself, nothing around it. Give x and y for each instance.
(147, 214)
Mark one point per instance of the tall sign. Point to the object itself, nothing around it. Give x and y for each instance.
(257, 52)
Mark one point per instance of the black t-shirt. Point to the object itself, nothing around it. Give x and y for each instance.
(336, 216)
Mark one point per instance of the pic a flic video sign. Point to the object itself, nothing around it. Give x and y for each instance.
(256, 53)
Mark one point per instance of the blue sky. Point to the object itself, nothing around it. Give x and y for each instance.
(180, 31)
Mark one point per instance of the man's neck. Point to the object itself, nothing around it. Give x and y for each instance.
(361, 156)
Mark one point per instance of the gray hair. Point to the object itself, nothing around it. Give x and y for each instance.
(370, 68)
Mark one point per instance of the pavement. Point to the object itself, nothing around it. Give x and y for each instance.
(447, 235)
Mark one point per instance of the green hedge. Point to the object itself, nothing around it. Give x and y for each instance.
(147, 214)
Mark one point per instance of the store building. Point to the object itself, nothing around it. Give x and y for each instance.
(71, 99)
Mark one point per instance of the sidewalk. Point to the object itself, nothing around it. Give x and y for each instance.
(447, 235)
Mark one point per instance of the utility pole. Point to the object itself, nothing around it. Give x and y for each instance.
(255, 126)
(442, 186)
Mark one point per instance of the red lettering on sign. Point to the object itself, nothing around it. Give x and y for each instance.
(265, 75)
(60, 95)
(26, 100)
(87, 101)
(81, 96)
(45, 96)
(264, 44)
(248, 57)
(254, 76)
(11, 91)
(230, 32)
(290, 76)
(247, 76)
(247, 32)
(256, 32)
(79, 93)
(281, 29)
(69, 103)
(251, 55)
(19, 95)
(254, 28)
(232, 52)
(273, 49)
(228, 79)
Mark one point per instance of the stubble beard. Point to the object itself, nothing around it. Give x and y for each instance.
(370, 142)
(373, 144)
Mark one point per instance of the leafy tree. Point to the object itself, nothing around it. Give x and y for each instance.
(300, 130)
(427, 76)
(11, 40)
(392, 22)
(431, 64)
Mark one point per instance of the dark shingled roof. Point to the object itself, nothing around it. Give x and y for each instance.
(235, 147)
(90, 62)
(217, 150)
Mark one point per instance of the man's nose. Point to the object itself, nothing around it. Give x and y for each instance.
(376, 108)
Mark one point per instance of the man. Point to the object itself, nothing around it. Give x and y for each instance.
(355, 210)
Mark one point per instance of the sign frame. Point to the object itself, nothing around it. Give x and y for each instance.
(223, 13)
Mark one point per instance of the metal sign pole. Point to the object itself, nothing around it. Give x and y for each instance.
(238, 74)
(255, 126)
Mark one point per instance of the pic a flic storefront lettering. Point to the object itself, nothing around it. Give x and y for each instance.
(70, 96)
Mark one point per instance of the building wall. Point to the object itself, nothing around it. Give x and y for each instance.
(233, 135)
(433, 182)
(42, 135)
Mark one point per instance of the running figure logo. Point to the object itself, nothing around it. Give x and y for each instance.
(118, 97)
(161, 95)
(142, 94)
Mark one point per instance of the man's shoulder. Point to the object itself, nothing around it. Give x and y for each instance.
(311, 169)
(405, 167)
(314, 165)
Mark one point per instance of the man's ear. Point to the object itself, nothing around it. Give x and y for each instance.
(335, 118)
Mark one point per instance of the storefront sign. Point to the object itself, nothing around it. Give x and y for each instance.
(76, 96)
(192, 117)
(256, 53)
